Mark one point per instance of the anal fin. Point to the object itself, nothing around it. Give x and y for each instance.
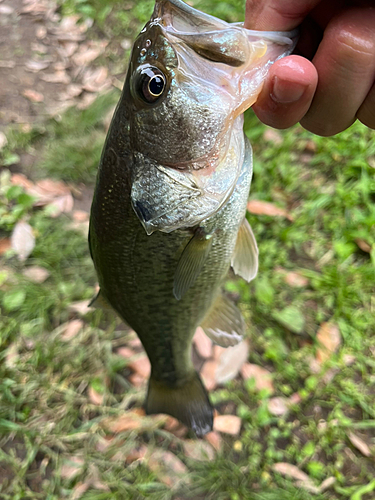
(224, 324)
(191, 262)
(245, 256)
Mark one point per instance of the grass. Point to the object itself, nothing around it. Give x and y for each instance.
(47, 419)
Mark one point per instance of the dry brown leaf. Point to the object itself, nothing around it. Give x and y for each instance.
(327, 483)
(272, 135)
(208, 374)
(33, 95)
(141, 366)
(215, 440)
(5, 245)
(289, 470)
(68, 48)
(52, 188)
(137, 380)
(94, 396)
(125, 352)
(349, 359)
(36, 274)
(329, 339)
(72, 467)
(21, 180)
(80, 215)
(81, 307)
(262, 377)
(57, 77)
(295, 279)
(96, 79)
(62, 204)
(79, 490)
(231, 361)
(363, 245)
(71, 91)
(358, 443)
(41, 32)
(228, 424)
(36, 66)
(202, 343)
(71, 329)
(86, 55)
(259, 207)
(6, 10)
(129, 421)
(22, 240)
(198, 450)
(136, 454)
(3, 140)
(12, 356)
(278, 406)
(168, 467)
(175, 427)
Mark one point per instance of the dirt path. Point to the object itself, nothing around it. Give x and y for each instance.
(46, 63)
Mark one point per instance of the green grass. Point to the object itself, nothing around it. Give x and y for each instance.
(46, 416)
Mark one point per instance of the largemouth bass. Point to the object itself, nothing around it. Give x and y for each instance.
(168, 214)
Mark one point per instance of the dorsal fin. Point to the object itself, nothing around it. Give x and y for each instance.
(245, 256)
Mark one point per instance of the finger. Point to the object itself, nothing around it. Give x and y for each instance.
(277, 15)
(345, 62)
(366, 113)
(287, 93)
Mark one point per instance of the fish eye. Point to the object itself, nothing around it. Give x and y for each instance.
(152, 84)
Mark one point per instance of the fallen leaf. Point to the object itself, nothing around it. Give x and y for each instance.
(327, 483)
(3, 140)
(96, 80)
(5, 245)
(167, 467)
(271, 135)
(358, 443)
(71, 329)
(141, 366)
(80, 215)
(62, 204)
(137, 380)
(289, 470)
(6, 10)
(349, 359)
(295, 279)
(41, 32)
(136, 454)
(202, 343)
(175, 427)
(262, 377)
(125, 352)
(36, 274)
(208, 374)
(86, 55)
(214, 439)
(228, 424)
(72, 467)
(329, 339)
(363, 245)
(81, 307)
(79, 490)
(94, 396)
(12, 356)
(259, 207)
(129, 421)
(231, 361)
(198, 450)
(36, 66)
(278, 406)
(22, 240)
(57, 77)
(71, 91)
(33, 95)
(68, 48)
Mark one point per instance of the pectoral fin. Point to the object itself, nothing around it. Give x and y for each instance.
(224, 324)
(245, 257)
(191, 262)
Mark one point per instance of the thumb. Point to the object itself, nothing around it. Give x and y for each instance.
(277, 15)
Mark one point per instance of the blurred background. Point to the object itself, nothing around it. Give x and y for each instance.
(295, 403)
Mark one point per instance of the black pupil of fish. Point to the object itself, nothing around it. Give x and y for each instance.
(156, 85)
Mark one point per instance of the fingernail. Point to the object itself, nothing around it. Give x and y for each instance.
(285, 92)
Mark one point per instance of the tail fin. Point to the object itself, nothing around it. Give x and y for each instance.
(188, 403)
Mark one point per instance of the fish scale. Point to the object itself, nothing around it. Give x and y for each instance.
(168, 214)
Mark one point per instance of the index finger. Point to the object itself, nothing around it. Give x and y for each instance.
(278, 15)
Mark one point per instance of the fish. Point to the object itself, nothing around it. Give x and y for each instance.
(168, 216)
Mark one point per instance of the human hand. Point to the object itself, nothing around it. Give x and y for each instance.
(332, 82)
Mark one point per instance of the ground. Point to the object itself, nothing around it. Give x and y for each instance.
(296, 419)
